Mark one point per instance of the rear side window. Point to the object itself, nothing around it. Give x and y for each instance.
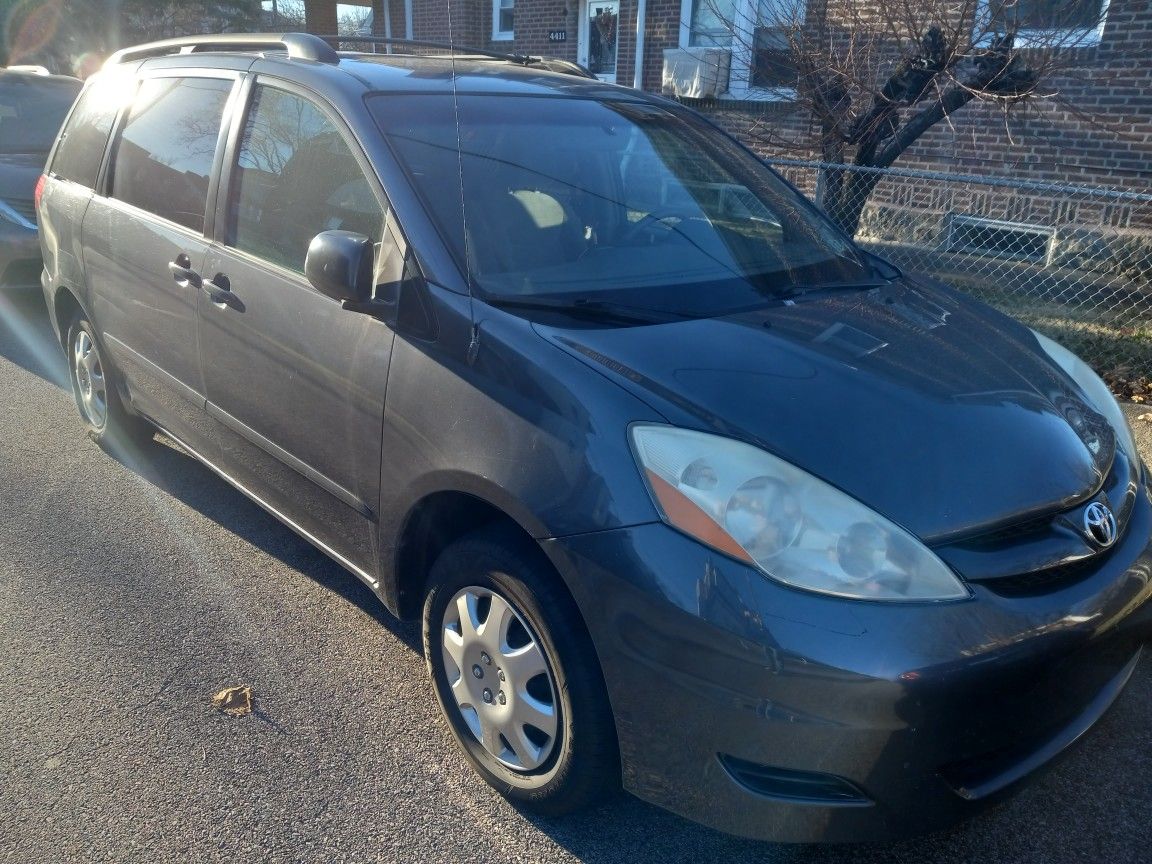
(82, 145)
(295, 177)
(165, 151)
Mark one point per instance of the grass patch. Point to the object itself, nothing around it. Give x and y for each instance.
(1113, 345)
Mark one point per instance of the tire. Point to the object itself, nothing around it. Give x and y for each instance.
(532, 716)
(103, 414)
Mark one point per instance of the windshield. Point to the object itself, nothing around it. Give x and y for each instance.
(622, 202)
(31, 111)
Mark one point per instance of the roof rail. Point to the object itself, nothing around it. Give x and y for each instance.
(303, 46)
(521, 59)
(552, 64)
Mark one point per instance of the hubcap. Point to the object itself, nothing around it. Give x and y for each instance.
(500, 678)
(90, 380)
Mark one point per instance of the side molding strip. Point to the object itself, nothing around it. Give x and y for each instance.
(300, 467)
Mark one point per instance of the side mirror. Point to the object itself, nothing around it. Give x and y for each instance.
(339, 265)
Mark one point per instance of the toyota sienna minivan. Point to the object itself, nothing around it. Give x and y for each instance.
(693, 496)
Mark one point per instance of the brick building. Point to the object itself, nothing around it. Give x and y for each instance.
(1101, 134)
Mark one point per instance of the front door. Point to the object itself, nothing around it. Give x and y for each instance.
(295, 383)
(599, 28)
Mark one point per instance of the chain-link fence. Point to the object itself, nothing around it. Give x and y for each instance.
(1075, 262)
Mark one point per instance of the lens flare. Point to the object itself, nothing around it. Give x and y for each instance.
(87, 64)
(30, 27)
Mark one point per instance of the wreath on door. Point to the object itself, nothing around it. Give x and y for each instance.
(605, 21)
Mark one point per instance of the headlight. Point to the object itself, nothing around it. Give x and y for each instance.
(794, 527)
(1099, 396)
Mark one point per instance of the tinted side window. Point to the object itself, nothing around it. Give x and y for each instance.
(164, 154)
(82, 146)
(295, 177)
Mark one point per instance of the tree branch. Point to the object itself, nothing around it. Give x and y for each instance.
(999, 71)
(950, 100)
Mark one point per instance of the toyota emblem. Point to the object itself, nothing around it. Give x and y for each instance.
(1100, 524)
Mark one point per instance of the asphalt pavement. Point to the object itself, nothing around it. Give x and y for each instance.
(133, 588)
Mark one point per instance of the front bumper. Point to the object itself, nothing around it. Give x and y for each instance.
(909, 716)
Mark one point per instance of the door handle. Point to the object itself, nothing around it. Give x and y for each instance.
(220, 292)
(183, 273)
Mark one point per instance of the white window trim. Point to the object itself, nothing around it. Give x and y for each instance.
(1054, 38)
(499, 35)
(740, 88)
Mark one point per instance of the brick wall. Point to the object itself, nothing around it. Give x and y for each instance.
(430, 20)
(1099, 131)
(320, 16)
(662, 31)
(535, 19)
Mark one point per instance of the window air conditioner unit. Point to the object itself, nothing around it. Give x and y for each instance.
(697, 73)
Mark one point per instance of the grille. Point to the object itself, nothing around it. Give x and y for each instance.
(1011, 532)
(1043, 581)
(1002, 560)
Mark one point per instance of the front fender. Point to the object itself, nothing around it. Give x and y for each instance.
(525, 427)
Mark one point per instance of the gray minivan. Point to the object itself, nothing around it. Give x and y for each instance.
(692, 494)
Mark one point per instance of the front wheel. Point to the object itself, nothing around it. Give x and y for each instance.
(516, 676)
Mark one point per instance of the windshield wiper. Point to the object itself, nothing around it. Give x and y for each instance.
(883, 268)
(787, 292)
(592, 310)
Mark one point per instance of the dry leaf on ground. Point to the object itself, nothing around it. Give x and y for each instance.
(1128, 387)
(234, 701)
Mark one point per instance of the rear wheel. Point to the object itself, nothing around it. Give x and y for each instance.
(99, 404)
(516, 676)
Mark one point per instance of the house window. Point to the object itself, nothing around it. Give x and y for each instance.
(773, 65)
(1045, 22)
(710, 22)
(502, 14)
(757, 33)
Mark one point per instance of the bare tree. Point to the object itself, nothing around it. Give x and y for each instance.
(355, 20)
(62, 32)
(872, 76)
(285, 16)
(288, 15)
(145, 20)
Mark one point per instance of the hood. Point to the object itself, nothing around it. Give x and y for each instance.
(934, 410)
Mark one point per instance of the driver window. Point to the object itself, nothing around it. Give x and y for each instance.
(295, 177)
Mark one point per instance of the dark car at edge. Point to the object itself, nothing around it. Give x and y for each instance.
(691, 494)
(32, 106)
